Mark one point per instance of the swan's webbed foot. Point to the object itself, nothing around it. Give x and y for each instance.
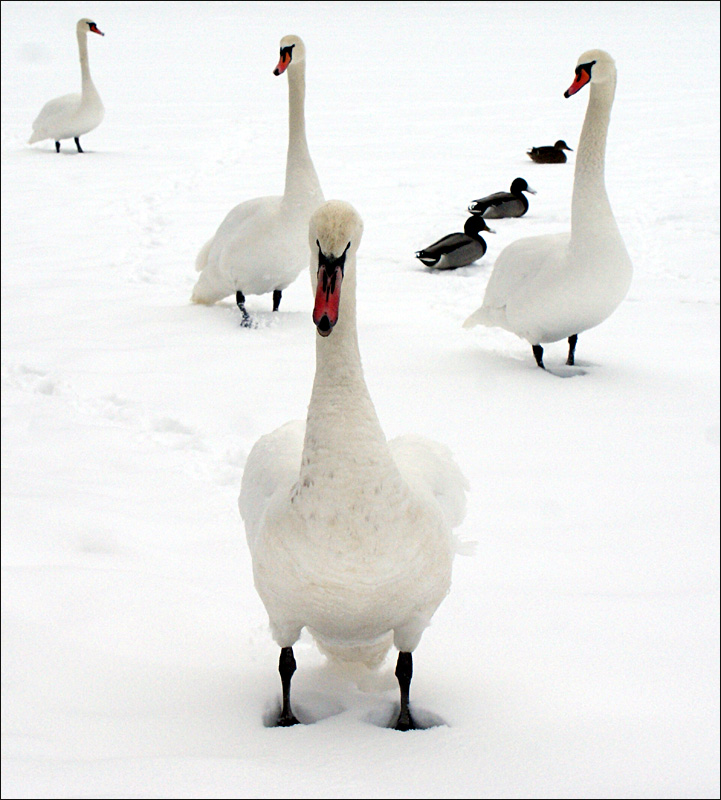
(246, 321)
(77, 144)
(277, 294)
(405, 722)
(287, 720)
(404, 673)
(571, 360)
(57, 147)
(538, 354)
(286, 667)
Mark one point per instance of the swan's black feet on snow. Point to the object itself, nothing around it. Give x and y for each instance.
(405, 722)
(286, 667)
(572, 340)
(404, 673)
(246, 321)
(77, 144)
(538, 354)
(277, 294)
(287, 720)
(57, 147)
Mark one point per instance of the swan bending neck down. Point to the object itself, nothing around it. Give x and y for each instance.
(350, 535)
(547, 288)
(260, 246)
(72, 115)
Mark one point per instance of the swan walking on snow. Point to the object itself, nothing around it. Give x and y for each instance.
(547, 288)
(350, 535)
(72, 115)
(261, 246)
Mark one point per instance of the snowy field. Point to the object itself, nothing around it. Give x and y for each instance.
(577, 652)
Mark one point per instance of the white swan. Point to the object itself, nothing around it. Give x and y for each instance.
(261, 245)
(350, 535)
(72, 115)
(546, 288)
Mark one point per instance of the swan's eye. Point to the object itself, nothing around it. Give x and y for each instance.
(585, 67)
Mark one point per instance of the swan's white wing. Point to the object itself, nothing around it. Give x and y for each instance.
(516, 267)
(55, 113)
(272, 465)
(429, 467)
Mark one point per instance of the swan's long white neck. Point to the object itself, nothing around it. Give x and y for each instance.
(88, 87)
(342, 426)
(590, 209)
(300, 175)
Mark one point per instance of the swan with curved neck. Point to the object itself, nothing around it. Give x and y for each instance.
(547, 288)
(350, 535)
(457, 249)
(72, 115)
(260, 246)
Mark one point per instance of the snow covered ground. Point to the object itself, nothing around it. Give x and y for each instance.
(577, 653)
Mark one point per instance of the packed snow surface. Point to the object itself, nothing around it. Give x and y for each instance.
(577, 652)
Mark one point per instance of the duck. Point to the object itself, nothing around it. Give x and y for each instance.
(457, 249)
(504, 204)
(350, 535)
(260, 245)
(553, 287)
(72, 115)
(549, 154)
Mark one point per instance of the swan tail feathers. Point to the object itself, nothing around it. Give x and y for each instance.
(350, 658)
(202, 258)
(36, 137)
(464, 547)
(490, 317)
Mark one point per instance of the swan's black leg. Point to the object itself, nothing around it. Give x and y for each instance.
(57, 147)
(572, 349)
(404, 673)
(286, 667)
(77, 144)
(277, 294)
(240, 300)
(538, 353)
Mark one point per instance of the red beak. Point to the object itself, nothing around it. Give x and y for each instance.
(282, 64)
(581, 80)
(327, 299)
(94, 28)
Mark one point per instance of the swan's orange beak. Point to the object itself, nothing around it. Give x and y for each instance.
(327, 297)
(285, 58)
(94, 28)
(582, 78)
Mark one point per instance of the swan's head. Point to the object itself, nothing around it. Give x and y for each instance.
(561, 145)
(594, 66)
(334, 235)
(292, 51)
(84, 25)
(520, 185)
